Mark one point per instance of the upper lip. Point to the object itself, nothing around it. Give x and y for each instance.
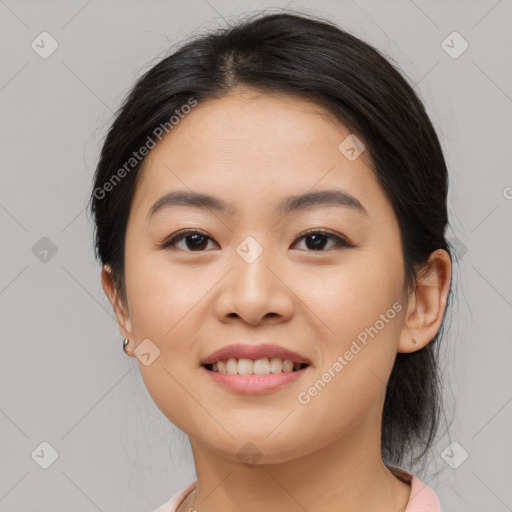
(254, 352)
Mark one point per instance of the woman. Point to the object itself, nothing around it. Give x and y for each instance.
(270, 209)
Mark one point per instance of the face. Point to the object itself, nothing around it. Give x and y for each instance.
(199, 278)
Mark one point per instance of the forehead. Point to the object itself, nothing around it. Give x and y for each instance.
(252, 149)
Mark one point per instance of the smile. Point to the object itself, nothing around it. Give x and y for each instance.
(241, 375)
(262, 366)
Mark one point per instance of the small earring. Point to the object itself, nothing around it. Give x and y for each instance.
(125, 344)
(415, 342)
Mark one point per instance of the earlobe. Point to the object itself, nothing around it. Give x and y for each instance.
(427, 303)
(126, 347)
(120, 310)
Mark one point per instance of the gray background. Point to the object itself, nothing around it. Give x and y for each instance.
(63, 376)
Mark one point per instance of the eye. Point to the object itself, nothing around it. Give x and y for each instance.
(194, 241)
(318, 239)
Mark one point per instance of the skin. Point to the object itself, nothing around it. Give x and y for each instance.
(252, 150)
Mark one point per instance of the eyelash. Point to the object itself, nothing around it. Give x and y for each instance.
(339, 242)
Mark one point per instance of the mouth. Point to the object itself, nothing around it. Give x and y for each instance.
(247, 359)
(254, 377)
(254, 369)
(262, 366)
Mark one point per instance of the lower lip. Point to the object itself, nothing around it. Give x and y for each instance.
(254, 384)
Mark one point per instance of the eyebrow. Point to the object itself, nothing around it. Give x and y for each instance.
(333, 197)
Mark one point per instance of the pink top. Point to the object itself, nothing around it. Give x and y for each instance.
(422, 498)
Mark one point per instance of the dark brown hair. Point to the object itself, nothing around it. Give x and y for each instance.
(316, 60)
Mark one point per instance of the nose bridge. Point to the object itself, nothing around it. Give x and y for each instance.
(254, 290)
(251, 262)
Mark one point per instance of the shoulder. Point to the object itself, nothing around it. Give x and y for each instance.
(422, 497)
(172, 504)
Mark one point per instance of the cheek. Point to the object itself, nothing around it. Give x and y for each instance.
(358, 319)
(350, 297)
(160, 294)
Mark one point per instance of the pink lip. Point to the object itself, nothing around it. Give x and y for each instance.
(254, 352)
(254, 384)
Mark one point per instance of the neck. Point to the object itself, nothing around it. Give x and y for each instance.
(345, 475)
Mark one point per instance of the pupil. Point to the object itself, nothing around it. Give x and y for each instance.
(317, 241)
(198, 241)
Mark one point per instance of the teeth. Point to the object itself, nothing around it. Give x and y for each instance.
(245, 366)
(262, 366)
(276, 365)
(288, 366)
(232, 366)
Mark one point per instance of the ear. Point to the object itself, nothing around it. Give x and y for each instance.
(120, 309)
(427, 303)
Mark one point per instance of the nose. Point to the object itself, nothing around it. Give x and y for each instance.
(256, 289)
